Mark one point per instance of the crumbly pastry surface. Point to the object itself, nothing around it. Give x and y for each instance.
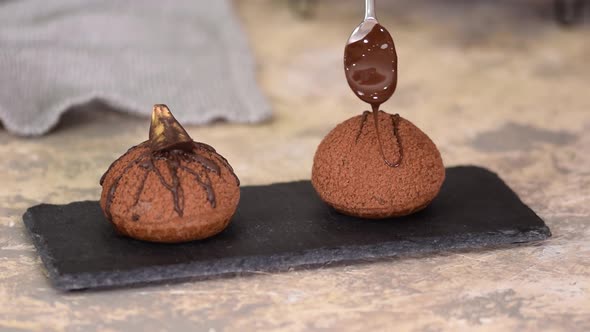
(350, 173)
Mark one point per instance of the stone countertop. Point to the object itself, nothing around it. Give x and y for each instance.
(496, 84)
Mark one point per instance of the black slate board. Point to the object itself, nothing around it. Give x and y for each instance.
(278, 227)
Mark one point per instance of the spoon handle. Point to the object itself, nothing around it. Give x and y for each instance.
(370, 9)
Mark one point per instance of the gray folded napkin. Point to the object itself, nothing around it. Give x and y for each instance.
(189, 54)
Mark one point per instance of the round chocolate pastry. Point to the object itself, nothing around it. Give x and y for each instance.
(169, 188)
(392, 169)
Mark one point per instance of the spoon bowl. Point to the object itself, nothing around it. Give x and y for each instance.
(370, 60)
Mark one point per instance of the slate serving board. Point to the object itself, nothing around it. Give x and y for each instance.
(278, 227)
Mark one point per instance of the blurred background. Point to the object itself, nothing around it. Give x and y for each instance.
(501, 84)
(468, 69)
(483, 78)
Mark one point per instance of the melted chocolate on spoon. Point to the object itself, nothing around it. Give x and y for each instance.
(370, 65)
(170, 143)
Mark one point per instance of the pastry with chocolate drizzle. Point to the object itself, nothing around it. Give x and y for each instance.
(377, 166)
(169, 188)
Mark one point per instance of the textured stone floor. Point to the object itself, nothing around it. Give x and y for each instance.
(494, 83)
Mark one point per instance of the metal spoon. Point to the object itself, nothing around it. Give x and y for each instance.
(366, 25)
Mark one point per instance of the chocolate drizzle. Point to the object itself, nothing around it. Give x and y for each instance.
(169, 144)
(370, 65)
(395, 118)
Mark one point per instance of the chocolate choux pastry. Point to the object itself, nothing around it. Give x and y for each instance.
(383, 171)
(169, 188)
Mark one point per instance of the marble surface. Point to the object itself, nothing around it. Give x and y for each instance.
(496, 84)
